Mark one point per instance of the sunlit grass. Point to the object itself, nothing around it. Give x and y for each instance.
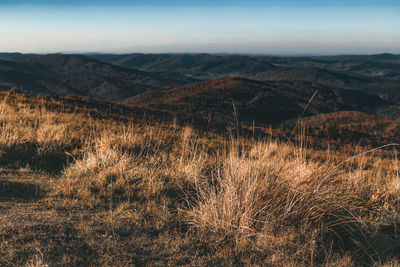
(286, 202)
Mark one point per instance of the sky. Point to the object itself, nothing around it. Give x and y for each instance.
(272, 27)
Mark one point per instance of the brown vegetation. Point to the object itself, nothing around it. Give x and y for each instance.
(346, 130)
(111, 190)
(262, 102)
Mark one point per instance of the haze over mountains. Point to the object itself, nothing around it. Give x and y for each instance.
(265, 89)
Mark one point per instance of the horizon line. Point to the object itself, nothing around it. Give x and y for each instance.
(199, 53)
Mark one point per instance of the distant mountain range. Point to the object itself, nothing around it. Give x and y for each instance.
(209, 66)
(262, 88)
(82, 76)
(16, 56)
(376, 74)
(202, 66)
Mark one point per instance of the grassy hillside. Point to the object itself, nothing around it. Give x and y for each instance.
(346, 130)
(81, 185)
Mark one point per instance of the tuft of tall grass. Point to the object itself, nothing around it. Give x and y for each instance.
(104, 172)
(124, 165)
(272, 197)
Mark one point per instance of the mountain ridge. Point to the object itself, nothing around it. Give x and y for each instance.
(82, 76)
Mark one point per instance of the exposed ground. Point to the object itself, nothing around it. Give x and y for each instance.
(81, 186)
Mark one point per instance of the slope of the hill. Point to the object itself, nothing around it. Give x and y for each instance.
(315, 75)
(392, 111)
(98, 109)
(373, 85)
(83, 184)
(345, 130)
(82, 76)
(264, 102)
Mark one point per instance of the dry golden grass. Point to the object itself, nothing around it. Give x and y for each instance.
(137, 192)
(37, 261)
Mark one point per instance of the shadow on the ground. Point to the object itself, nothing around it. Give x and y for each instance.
(367, 246)
(27, 154)
(62, 243)
(20, 191)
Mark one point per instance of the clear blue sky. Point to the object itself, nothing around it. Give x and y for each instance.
(284, 27)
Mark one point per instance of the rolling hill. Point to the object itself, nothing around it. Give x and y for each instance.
(345, 130)
(262, 101)
(376, 74)
(316, 75)
(373, 85)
